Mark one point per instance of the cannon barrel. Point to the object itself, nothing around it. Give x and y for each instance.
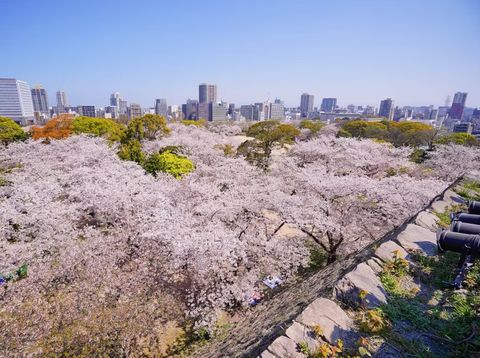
(465, 228)
(458, 242)
(467, 218)
(474, 207)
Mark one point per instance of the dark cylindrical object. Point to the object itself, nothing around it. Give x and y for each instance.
(458, 242)
(474, 207)
(465, 228)
(467, 218)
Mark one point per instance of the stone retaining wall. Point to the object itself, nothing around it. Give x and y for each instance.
(418, 234)
(274, 328)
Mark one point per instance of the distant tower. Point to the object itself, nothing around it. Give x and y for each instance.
(458, 105)
(40, 99)
(115, 100)
(16, 100)
(161, 107)
(62, 102)
(386, 109)
(306, 104)
(207, 93)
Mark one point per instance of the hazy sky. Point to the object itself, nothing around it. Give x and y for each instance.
(415, 51)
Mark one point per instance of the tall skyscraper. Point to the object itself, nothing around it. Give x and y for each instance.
(40, 100)
(386, 109)
(161, 107)
(328, 105)
(62, 102)
(306, 104)
(218, 111)
(190, 109)
(207, 93)
(115, 99)
(458, 105)
(277, 110)
(16, 101)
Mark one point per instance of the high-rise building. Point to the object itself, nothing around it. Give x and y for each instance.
(328, 105)
(115, 99)
(218, 111)
(16, 101)
(207, 93)
(204, 110)
(113, 111)
(306, 104)
(123, 106)
(40, 100)
(161, 107)
(87, 111)
(277, 110)
(247, 111)
(190, 109)
(62, 102)
(386, 109)
(458, 105)
(134, 111)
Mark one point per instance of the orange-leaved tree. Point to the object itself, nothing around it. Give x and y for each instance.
(57, 128)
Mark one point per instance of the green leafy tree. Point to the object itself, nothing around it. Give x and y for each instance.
(314, 126)
(191, 122)
(412, 134)
(465, 139)
(132, 150)
(101, 127)
(168, 162)
(363, 129)
(10, 131)
(149, 126)
(268, 135)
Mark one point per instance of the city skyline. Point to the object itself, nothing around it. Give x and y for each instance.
(423, 59)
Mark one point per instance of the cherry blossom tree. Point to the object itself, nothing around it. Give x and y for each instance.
(115, 252)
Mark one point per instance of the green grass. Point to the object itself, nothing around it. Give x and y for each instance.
(448, 318)
(469, 189)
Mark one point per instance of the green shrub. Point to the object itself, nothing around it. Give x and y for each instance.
(398, 133)
(149, 126)
(191, 122)
(314, 126)
(458, 138)
(132, 150)
(100, 127)
(10, 131)
(168, 162)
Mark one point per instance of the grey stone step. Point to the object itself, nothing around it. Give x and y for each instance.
(299, 333)
(283, 347)
(362, 278)
(325, 313)
(415, 237)
(427, 220)
(389, 250)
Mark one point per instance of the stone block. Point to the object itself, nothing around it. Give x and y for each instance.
(362, 278)
(415, 237)
(299, 333)
(284, 347)
(427, 220)
(440, 206)
(388, 250)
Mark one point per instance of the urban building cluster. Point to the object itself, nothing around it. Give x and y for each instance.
(29, 106)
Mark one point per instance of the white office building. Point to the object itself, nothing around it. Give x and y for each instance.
(16, 101)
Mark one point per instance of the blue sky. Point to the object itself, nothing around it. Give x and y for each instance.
(415, 51)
